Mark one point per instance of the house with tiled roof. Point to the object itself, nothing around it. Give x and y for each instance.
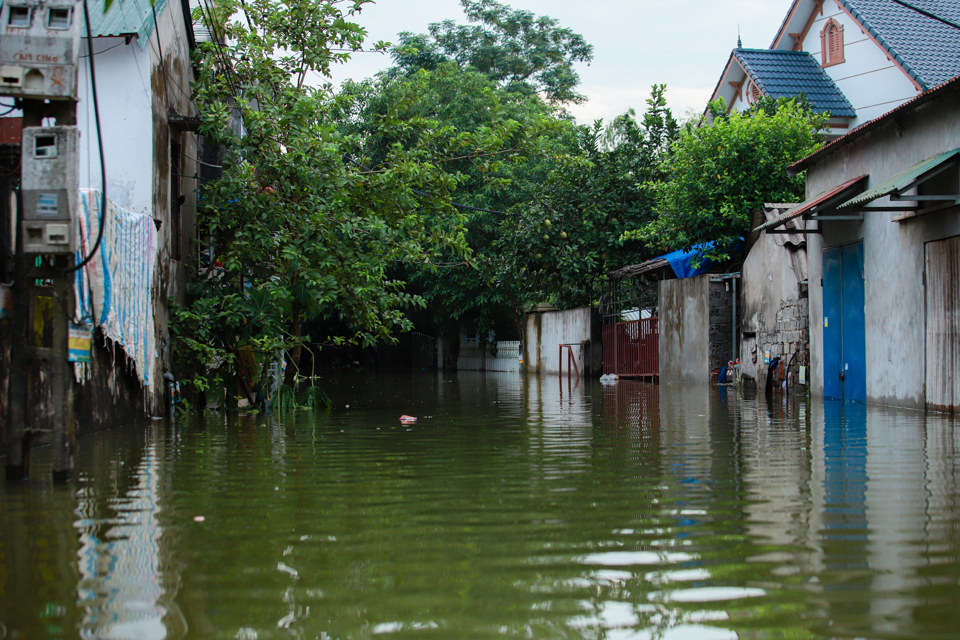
(853, 59)
(882, 229)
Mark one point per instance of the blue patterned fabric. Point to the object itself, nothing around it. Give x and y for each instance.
(114, 290)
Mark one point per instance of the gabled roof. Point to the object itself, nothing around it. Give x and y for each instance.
(923, 36)
(789, 74)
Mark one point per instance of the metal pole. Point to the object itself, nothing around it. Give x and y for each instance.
(734, 319)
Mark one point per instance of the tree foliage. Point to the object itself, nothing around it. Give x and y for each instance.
(514, 48)
(558, 246)
(459, 289)
(718, 174)
(310, 218)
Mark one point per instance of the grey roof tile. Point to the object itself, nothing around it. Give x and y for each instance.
(926, 47)
(793, 73)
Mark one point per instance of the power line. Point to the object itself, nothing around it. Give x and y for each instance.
(103, 166)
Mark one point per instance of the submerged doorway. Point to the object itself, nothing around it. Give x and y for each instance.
(844, 342)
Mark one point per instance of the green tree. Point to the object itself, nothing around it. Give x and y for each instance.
(558, 246)
(308, 221)
(463, 291)
(718, 174)
(516, 49)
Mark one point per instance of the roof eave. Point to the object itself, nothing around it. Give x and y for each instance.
(804, 163)
(723, 77)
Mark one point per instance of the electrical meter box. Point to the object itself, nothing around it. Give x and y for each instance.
(39, 44)
(49, 186)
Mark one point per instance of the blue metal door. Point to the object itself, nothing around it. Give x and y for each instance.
(832, 324)
(844, 342)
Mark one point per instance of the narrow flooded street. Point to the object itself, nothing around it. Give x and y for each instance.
(516, 507)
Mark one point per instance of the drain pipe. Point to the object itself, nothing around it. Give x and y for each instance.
(735, 357)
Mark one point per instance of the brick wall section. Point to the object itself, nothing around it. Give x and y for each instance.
(790, 335)
(721, 326)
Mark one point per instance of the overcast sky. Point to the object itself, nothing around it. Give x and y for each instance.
(636, 43)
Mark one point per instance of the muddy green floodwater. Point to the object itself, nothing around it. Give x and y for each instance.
(516, 507)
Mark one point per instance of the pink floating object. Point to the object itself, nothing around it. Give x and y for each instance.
(405, 419)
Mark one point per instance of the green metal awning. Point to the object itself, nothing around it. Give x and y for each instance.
(124, 18)
(906, 180)
(817, 204)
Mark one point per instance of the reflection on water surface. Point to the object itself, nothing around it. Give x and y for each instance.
(515, 507)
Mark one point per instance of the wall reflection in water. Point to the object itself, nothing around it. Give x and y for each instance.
(121, 589)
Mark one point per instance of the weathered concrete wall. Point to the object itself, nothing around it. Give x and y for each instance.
(137, 94)
(775, 309)
(893, 251)
(545, 331)
(696, 328)
(685, 329)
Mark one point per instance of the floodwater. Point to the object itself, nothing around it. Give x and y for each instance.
(516, 507)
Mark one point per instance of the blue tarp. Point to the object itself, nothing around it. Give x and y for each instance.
(682, 261)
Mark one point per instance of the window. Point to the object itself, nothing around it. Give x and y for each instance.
(831, 43)
(59, 18)
(19, 17)
(45, 146)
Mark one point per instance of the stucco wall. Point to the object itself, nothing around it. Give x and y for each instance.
(893, 251)
(136, 96)
(867, 77)
(125, 98)
(545, 331)
(775, 309)
(684, 329)
(696, 328)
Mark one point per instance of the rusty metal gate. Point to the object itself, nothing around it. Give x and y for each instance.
(632, 348)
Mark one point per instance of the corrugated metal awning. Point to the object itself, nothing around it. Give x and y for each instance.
(819, 203)
(124, 18)
(904, 181)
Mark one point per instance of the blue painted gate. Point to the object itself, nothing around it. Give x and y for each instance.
(844, 342)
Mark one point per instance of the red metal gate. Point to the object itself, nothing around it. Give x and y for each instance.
(632, 348)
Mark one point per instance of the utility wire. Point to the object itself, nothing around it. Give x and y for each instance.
(458, 205)
(228, 70)
(119, 44)
(103, 166)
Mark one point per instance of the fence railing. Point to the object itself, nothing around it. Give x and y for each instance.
(632, 348)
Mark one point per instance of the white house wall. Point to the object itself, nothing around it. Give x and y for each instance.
(136, 96)
(126, 123)
(868, 77)
(545, 331)
(893, 251)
